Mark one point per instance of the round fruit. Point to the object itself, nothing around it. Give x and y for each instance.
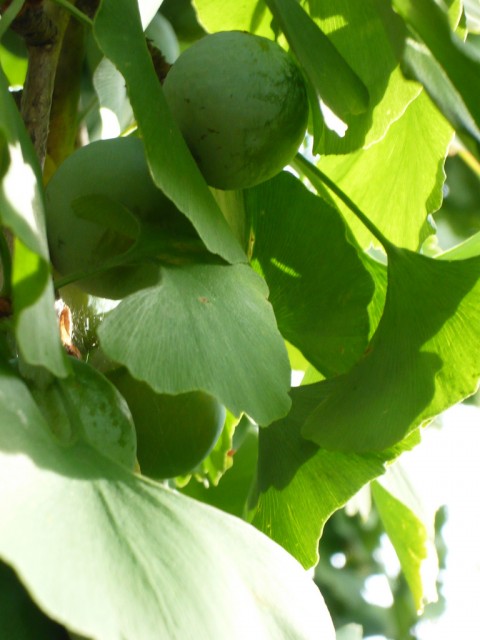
(115, 170)
(174, 432)
(241, 103)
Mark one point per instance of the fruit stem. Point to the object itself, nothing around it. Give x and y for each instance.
(311, 171)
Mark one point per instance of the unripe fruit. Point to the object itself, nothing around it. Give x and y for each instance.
(174, 432)
(115, 169)
(241, 103)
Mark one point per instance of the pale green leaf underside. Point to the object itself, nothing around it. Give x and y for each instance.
(299, 485)
(411, 534)
(147, 562)
(119, 34)
(205, 327)
(423, 358)
(398, 181)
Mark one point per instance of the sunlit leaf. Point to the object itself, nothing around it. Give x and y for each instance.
(332, 78)
(191, 571)
(419, 63)
(209, 328)
(365, 27)
(459, 59)
(411, 531)
(299, 485)
(398, 181)
(423, 358)
(248, 15)
(119, 34)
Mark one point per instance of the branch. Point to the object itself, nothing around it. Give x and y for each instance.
(42, 25)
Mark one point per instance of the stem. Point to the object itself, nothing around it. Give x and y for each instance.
(64, 111)
(76, 13)
(6, 266)
(307, 167)
(470, 160)
(43, 31)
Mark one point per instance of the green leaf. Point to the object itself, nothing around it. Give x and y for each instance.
(208, 328)
(411, 531)
(147, 562)
(333, 79)
(416, 364)
(119, 34)
(212, 469)
(469, 248)
(319, 288)
(20, 618)
(35, 320)
(418, 63)
(231, 492)
(13, 58)
(112, 93)
(300, 485)
(458, 59)
(22, 211)
(248, 15)
(86, 405)
(366, 27)
(398, 181)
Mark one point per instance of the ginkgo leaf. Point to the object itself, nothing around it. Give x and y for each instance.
(205, 327)
(170, 161)
(300, 485)
(22, 212)
(192, 572)
(416, 146)
(321, 292)
(423, 358)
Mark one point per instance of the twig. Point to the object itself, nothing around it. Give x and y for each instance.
(42, 27)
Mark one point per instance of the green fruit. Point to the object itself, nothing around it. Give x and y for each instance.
(116, 173)
(174, 432)
(241, 103)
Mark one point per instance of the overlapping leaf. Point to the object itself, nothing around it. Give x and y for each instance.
(419, 63)
(119, 34)
(332, 78)
(423, 358)
(319, 288)
(299, 485)
(22, 211)
(412, 153)
(147, 562)
(365, 27)
(204, 327)
(458, 59)
(249, 15)
(19, 617)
